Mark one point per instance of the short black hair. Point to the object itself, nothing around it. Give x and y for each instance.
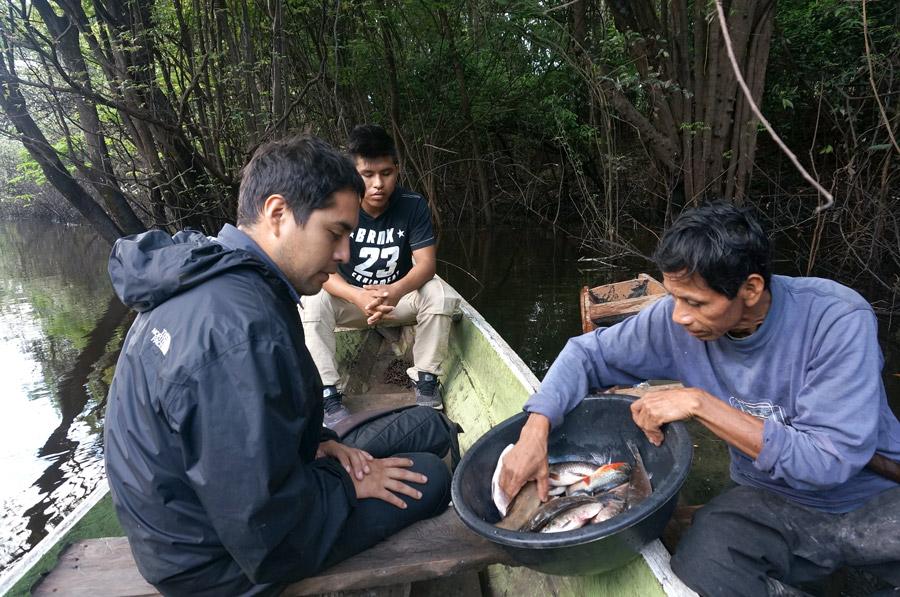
(371, 141)
(721, 242)
(305, 170)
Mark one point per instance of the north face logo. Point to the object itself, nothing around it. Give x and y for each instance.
(161, 339)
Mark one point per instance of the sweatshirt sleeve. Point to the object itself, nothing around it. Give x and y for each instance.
(277, 514)
(834, 432)
(632, 351)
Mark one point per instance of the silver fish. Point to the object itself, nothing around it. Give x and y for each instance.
(550, 510)
(610, 506)
(604, 478)
(563, 474)
(556, 491)
(574, 518)
(619, 491)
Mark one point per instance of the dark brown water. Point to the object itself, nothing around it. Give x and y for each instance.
(60, 332)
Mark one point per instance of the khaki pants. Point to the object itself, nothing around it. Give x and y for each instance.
(430, 308)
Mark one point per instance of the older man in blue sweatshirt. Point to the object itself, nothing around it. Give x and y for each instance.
(787, 371)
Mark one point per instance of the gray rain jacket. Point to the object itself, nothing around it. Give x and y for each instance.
(213, 421)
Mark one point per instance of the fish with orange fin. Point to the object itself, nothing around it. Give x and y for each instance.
(604, 478)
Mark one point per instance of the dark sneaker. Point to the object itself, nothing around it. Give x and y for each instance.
(428, 391)
(335, 411)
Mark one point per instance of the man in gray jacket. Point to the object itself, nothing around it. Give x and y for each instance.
(222, 474)
(787, 371)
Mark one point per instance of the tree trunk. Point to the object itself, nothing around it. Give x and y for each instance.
(13, 104)
(248, 56)
(100, 171)
(700, 131)
(191, 197)
(393, 86)
(746, 123)
(484, 191)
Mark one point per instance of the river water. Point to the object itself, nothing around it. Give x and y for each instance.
(59, 336)
(61, 329)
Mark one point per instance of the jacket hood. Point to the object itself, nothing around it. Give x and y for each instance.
(150, 268)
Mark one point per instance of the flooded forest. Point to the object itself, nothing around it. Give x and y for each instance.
(554, 140)
(600, 119)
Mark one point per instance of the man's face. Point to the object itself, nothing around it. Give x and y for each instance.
(380, 176)
(703, 312)
(307, 254)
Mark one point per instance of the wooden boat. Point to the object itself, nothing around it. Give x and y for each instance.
(611, 303)
(485, 383)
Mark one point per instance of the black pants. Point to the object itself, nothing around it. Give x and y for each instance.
(753, 542)
(420, 434)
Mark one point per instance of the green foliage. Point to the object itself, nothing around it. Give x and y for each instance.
(510, 71)
(818, 55)
(694, 127)
(29, 171)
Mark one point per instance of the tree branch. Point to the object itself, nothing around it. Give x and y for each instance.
(743, 84)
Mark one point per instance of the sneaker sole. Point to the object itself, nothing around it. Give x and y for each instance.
(326, 422)
(434, 405)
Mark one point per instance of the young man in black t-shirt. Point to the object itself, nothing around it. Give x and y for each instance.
(389, 278)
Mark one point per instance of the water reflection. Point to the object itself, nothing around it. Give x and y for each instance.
(61, 328)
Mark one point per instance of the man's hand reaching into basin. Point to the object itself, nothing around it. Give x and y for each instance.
(528, 459)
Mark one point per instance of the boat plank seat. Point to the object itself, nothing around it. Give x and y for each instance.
(430, 549)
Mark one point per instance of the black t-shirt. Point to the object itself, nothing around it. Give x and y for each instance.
(381, 248)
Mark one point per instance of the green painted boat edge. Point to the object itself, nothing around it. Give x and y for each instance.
(93, 518)
(488, 383)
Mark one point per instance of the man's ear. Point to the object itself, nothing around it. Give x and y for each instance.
(752, 289)
(274, 210)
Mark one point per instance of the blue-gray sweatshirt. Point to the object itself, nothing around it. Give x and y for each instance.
(812, 370)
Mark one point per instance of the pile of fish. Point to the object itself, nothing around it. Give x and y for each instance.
(581, 493)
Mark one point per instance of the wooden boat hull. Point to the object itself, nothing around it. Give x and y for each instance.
(485, 383)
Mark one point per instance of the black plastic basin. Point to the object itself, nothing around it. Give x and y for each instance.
(599, 425)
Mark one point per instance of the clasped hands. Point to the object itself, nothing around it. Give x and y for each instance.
(377, 301)
(381, 478)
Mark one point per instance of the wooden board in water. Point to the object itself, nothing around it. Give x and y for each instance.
(611, 303)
